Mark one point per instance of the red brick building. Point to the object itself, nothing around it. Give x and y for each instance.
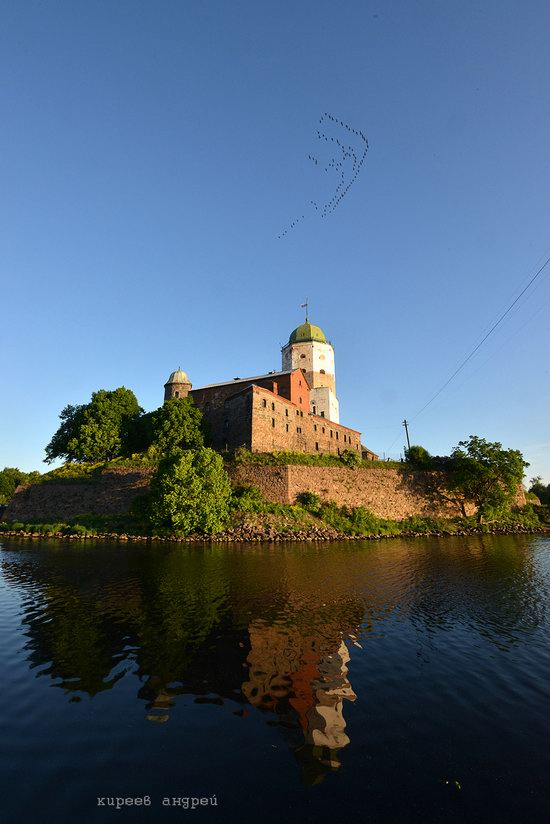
(280, 410)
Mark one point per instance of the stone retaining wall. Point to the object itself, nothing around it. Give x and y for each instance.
(386, 492)
(112, 493)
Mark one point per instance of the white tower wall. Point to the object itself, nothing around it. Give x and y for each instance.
(317, 361)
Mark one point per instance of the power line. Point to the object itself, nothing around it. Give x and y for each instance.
(482, 341)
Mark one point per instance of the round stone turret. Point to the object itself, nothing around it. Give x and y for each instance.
(178, 385)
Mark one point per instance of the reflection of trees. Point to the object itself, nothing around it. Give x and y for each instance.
(91, 622)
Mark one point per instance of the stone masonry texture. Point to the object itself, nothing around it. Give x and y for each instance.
(386, 492)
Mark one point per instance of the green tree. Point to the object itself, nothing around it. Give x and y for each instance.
(11, 478)
(97, 431)
(486, 475)
(178, 424)
(542, 492)
(190, 492)
(418, 456)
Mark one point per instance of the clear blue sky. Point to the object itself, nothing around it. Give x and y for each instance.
(152, 152)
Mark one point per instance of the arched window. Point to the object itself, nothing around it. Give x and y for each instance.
(322, 371)
(176, 394)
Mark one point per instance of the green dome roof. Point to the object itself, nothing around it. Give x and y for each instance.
(307, 332)
(178, 377)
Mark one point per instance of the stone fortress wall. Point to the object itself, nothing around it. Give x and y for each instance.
(385, 491)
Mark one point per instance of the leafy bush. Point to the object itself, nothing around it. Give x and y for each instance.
(310, 501)
(283, 458)
(351, 458)
(419, 457)
(190, 492)
(248, 499)
(78, 473)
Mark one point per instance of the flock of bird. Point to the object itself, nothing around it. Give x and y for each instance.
(336, 165)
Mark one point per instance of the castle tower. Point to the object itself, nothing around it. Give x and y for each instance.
(308, 349)
(178, 385)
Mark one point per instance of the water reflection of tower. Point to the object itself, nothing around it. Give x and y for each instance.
(303, 679)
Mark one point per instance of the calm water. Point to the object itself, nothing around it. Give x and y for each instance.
(406, 681)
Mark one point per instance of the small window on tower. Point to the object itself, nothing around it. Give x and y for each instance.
(302, 356)
(177, 394)
(286, 412)
(287, 427)
(316, 446)
(322, 371)
(273, 422)
(264, 403)
(272, 406)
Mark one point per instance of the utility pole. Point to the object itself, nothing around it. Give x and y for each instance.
(406, 425)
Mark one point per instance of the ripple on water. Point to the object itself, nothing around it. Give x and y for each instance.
(357, 669)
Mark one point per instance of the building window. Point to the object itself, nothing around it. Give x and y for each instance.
(314, 411)
(273, 422)
(338, 450)
(322, 371)
(300, 400)
(297, 411)
(316, 446)
(287, 427)
(323, 430)
(331, 433)
(301, 414)
(177, 394)
(337, 436)
(344, 438)
(299, 430)
(322, 414)
(299, 383)
(264, 403)
(272, 406)
(286, 412)
(315, 427)
(302, 356)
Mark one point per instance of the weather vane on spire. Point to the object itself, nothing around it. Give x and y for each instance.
(306, 307)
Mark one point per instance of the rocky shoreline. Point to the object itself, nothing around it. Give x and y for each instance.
(259, 534)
